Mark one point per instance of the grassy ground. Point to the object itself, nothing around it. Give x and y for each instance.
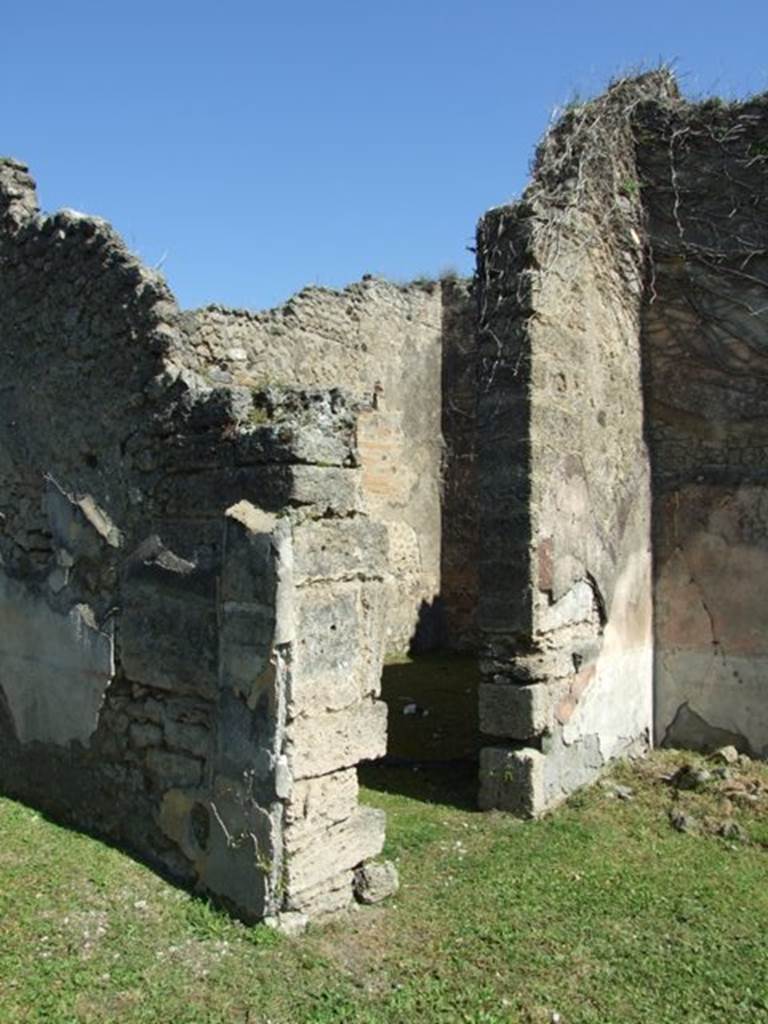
(433, 702)
(602, 912)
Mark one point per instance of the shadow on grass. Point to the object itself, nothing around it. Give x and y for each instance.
(450, 783)
(433, 740)
(205, 908)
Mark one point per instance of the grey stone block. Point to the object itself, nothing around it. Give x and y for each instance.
(311, 858)
(145, 734)
(338, 549)
(211, 492)
(326, 488)
(195, 739)
(330, 896)
(376, 881)
(517, 712)
(245, 641)
(169, 640)
(324, 742)
(248, 571)
(512, 780)
(174, 770)
(315, 805)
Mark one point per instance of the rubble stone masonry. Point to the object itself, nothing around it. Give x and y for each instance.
(215, 525)
(192, 600)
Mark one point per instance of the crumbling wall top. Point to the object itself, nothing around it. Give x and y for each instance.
(18, 195)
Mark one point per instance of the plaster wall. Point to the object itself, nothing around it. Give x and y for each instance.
(704, 337)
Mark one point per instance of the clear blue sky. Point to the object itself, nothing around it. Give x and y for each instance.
(252, 147)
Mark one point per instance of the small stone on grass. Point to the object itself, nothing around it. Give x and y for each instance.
(732, 830)
(689, 777)
(725, 755)
(682, 822)
(375, 881)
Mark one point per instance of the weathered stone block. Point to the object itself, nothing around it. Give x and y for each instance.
(325, 742)
(248, 736)
(245, 638)
(310, 858)
(248, 571)
(315, 805)
(288, 441)
(195, 739)
(174, 770)
(505, 597)
(145, 734)
(169, 639)
(326, 488)
(330, 896)
(374, 599)
(210, 493)
(376, 881)
(523, 668)
(339, 549)
(512, 780)
(332, 668)
(517, 712)
(233, 842)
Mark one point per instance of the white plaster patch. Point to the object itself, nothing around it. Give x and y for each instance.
(727, 690)
(54, 668)
(577, 605)
(617, 706)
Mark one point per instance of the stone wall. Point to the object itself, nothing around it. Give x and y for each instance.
(207, 549)
(405, 353)
(637, 253)
(565, 569)
(704, 170)
(192, 601)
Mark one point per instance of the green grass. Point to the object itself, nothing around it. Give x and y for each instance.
(601, 912)
(444, 689)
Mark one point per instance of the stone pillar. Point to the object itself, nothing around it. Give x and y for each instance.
(565, 562)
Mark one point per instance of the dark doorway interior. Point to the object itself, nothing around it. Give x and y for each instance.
(433, 737)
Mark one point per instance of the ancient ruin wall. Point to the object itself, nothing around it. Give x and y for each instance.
(405, 353)
(459, 576)
(563, 466)
(704, 174)
(192, 602)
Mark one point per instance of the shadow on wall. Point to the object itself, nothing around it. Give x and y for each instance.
(455, 610)
(705, 370)
(33, 777)
(689, 730)
(431, 632)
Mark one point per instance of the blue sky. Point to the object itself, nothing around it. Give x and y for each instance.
(251, 148)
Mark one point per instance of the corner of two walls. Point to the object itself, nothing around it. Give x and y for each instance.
(191, 596)
(565, 507)
(406, 355)
(194, 543)
(276, 828)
